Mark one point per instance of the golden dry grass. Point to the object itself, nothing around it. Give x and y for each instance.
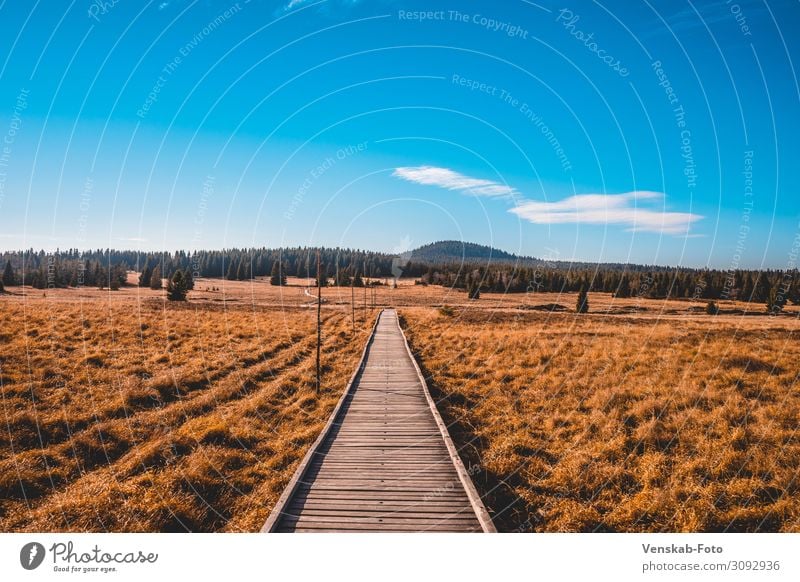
(126, 413)
(620, 423)
(132, 414)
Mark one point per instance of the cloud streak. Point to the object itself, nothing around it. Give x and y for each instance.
(451, 180)
(621, 209)
(632, 210)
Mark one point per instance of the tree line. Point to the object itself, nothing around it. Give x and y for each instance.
(775, 288)
(107, 268)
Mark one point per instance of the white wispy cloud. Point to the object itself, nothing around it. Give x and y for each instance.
(625, 209)
(451, 180)
(295, 3)
(633, 210)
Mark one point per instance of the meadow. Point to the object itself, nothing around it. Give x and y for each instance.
(580, 423)
(124, 412)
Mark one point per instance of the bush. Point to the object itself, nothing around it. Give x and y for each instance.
(446, 310)
(712, 308)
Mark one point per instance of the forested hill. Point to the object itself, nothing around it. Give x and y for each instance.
(453, 251)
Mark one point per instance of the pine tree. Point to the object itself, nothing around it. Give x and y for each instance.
(8, 275)
(277, 277)
(232, 270)
(2, 287)
(155, 278)
(583, 301)
(624, 289)
(473, 288)
(189, 277)
(762, 288)
(176, 287)
(747, 288)
(775, 300)
(114, 278)
(146, 274)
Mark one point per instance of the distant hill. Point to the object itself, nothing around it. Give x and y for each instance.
(453, 251)
(448, 252)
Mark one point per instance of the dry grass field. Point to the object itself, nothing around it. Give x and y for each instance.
(123, 412)
(621, 423)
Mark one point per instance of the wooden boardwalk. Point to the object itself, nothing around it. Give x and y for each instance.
(384, 461)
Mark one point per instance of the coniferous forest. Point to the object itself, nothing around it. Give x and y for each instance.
(446, 264)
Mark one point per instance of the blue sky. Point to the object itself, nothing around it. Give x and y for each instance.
(654, 132)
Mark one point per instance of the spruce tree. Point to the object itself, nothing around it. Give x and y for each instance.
(230, 275)
(147, 273)
(624, 289)
(583, 301)
(277, 277)
(8, 275)
(762, 288)
(155, 278)
(473, 288)
(114, 281)
(176, 287)
(189, 277)
(775, 300)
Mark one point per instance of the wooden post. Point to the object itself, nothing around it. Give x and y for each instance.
(353, 301)
(319, 320)
(365, 299)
